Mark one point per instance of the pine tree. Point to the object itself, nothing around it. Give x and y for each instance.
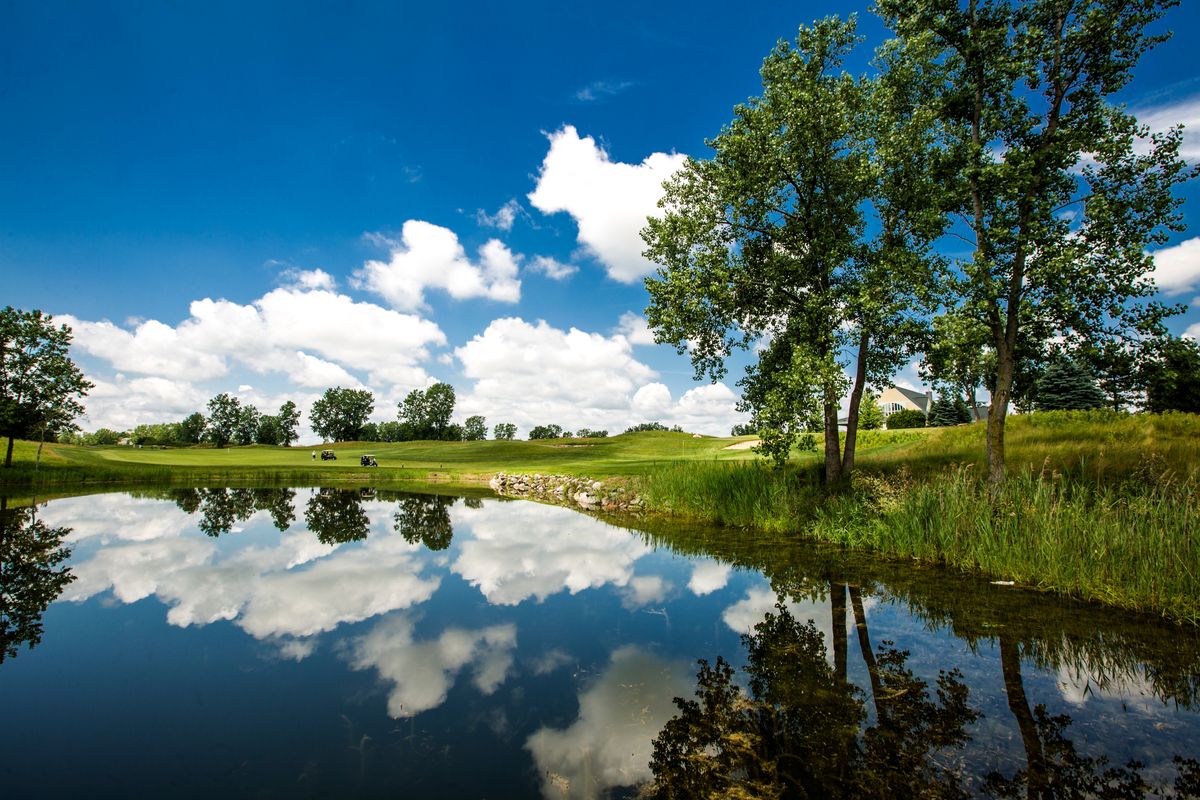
(1067, 386)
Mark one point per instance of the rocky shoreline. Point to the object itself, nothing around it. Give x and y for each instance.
(585, 493)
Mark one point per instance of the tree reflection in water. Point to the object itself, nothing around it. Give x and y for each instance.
(31, 575)
(221, 509)
(795, 733)
(1055, 769)
(425, 519)
(336, 516)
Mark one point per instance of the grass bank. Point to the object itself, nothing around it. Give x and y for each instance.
(1098, 506)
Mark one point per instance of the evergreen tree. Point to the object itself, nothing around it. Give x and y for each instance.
(949, 411)
(870, 415)
(1067, 386)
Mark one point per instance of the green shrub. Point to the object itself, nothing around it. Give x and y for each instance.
(905, 418)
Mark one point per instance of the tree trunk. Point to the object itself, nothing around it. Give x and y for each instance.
(41, 441)
(1018, 704)
(8, 455)
(833, 445)
(864, 645)
(837, 604)
(860, 379)
(997, 414)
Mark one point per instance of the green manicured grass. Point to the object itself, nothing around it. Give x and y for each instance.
(458, 463)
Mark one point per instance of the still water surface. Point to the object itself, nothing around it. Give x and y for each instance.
(330, 643)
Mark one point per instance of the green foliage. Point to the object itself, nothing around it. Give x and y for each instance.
(106, 436)
(905, 418)
(587, 433)
(796, 732)
(1067, 386)
(247, 426)
(224, 415)
(948, 410)
(32, 575)
(545, 432)
(1173, 377)
(425, 519)
(652, 426)
(287, 423)
(157, 435)
(1032, 80)
(870, 415)
(339, 414)
(336, 516)
(474, 429)
(426, 414)
(743, 429)
(504, 431)
(769, 239)
(959, 354)
(191, 429)
(40, 387)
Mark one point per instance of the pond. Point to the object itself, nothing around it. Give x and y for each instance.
(359, 643)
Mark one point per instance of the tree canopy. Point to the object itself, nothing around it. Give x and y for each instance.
(339, 414)
(1173, 377)
(426, 414)
(40, 386)
(768, 241)
(1059, 193)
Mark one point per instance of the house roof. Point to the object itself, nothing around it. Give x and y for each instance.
(918, 398)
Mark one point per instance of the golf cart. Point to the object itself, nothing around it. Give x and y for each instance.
(328, 455)
(367, 461)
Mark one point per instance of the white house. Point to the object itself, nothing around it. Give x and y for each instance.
(896, 398)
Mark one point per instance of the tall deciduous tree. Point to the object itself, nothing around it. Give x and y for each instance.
(339, 414)
(426, 414)
(191, 430)
(40, 387)
(288, 421)
(1024, 91)
(504, 431)
(769, 239)
(224, 414)
(475, 429)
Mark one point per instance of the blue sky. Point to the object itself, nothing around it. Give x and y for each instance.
(274, 198)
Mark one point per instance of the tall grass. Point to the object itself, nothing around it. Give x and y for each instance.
(1098, 505)
(1135, 544)
(742, 495)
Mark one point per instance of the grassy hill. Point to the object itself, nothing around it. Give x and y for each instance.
(404, 462)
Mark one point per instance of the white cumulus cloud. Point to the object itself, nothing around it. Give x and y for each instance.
(422, 673)
(1186, 113)
(635, 328)
(609, 200)
(1177, 268)
(610, 743)
(536, 374)
(520, 551)
(552, 268)
(428, 256)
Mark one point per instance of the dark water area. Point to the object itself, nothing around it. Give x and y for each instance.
(345, 643)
